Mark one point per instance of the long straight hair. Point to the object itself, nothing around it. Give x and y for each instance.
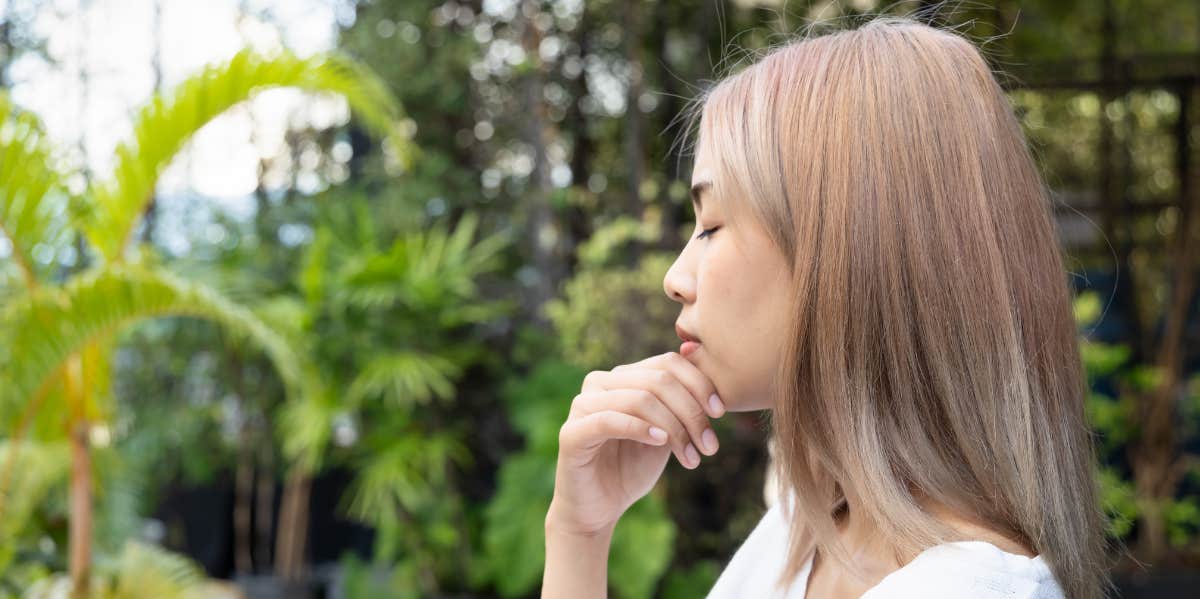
(933, 349)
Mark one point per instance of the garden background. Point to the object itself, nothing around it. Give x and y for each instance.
(295, 294)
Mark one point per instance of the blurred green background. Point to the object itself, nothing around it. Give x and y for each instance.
(295, 295)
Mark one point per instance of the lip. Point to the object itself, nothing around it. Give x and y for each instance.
(684, 335)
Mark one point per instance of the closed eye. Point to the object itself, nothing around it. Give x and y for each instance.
(707, 232)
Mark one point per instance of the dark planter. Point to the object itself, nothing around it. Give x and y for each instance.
(1159, 585)
(269, 586)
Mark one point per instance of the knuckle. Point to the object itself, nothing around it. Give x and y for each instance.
(610, 420)
(580, 400)
(647, 397)
(630, 427)
(577, 405)
(681, 434)
(645, 400)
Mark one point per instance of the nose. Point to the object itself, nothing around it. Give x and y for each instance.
(678, 284)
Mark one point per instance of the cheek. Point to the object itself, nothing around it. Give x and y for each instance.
(733, 301)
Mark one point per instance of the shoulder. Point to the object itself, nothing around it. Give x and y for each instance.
(970, 569)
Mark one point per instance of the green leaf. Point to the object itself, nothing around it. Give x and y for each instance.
(1101, 359)
(423, 270)
(304, 425)
(695, 581)
(642, 547)
(144, 571)
(163, 127)
(538, 404)
(515, 523)
(33, 469)
(1087, 308)
(1119, 501)
(33, 204)
(407, 473)
(1114, 418)
(1183, 520)
(40, 330)
(404, 378)
(1145, 377)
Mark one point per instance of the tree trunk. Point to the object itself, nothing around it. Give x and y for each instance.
(293, 526)
(578, 221)
(80, 532)
(1157, 470)
(264, 512)
(635, 145)
(242, 503)
(544, 232)
(672, 209)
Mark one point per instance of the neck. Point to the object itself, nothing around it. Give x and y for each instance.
(860, 537)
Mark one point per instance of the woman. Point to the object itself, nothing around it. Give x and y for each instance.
(876, 264)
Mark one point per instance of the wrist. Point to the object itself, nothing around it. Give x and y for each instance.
(576, 560)
(558, 525)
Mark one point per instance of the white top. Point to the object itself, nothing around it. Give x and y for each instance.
(975, 569)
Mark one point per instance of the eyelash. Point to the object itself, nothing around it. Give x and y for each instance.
(707, 232)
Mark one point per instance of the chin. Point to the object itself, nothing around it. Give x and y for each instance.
(751, 402)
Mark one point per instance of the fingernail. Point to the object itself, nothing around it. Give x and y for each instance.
(714, 402)
(658, 433)
(709, 438)
(691, 454)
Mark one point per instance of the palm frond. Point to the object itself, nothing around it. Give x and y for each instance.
(32, 194)
(406, 378)
(41, 329)
(304, 426)
(423, 270)
(168, 121)
(30, 470)
(311, 278)
(406, 473)
(145, 571)
(120, 493)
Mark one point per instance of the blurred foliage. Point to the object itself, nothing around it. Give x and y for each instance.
(694, 581)
(34, 469)
(390, 324)
(514, 538)
(388, 313)
(1114, 419)
(140, 571)
(607, 316)
(57, 337)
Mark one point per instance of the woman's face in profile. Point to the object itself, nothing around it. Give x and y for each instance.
(732, 284)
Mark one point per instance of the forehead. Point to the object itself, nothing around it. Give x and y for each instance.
(703, 173)
(702, 167)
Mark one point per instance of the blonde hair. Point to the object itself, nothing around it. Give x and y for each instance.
(933, 351)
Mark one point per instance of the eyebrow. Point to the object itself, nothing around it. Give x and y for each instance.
(696, 190)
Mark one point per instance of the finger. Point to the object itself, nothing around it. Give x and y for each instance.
(698, 383)
(672, 393)
(645, 405)
(584, 435)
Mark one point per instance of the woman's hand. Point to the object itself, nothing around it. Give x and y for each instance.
(622, 427)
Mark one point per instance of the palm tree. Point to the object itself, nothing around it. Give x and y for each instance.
(57, 334)
(388, 324)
